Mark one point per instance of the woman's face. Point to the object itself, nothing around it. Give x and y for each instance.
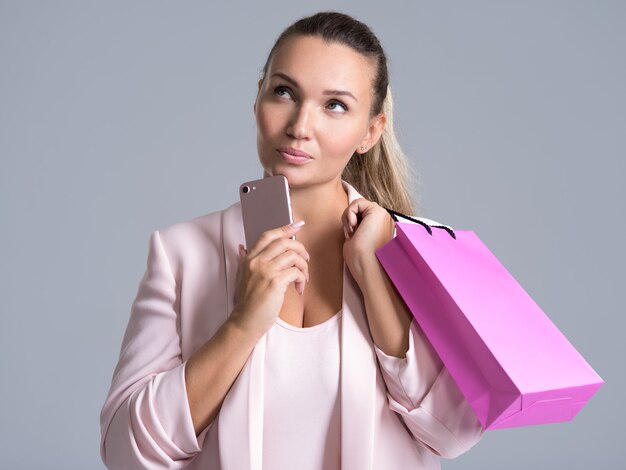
(316, 97)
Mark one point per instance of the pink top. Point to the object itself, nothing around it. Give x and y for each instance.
(302, 379)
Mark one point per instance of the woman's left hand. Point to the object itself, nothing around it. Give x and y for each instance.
(368, 227)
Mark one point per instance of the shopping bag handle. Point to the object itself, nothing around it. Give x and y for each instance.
(395, 214)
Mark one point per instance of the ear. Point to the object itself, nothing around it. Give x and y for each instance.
(257, 96)
(374, 131)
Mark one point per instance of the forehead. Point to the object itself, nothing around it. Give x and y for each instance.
(316, 64)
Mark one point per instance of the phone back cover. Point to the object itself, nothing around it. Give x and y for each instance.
(266, 206)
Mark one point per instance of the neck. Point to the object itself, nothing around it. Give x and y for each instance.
(319, 205)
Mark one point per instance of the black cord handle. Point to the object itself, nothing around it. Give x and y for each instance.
(395, 214)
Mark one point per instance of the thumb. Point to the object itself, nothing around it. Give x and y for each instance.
(291, 229)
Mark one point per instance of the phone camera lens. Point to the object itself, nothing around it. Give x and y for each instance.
(245, 189)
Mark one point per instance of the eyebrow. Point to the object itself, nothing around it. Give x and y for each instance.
(326, 92)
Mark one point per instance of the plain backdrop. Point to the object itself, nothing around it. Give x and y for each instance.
(121, 117)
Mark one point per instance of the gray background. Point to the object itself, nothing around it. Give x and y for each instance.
(118, 118)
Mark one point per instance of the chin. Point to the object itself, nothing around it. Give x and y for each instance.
(293, 175)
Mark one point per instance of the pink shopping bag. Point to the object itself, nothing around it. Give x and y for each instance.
(512, 364)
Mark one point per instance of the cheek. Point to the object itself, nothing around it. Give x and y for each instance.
(262, 123)
(340, 139)
(269, 121)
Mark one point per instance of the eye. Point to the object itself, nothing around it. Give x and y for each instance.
(278, 89)
(345, 108)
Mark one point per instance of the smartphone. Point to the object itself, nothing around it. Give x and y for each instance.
(265, 205)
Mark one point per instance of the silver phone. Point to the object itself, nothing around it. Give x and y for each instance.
(265, 205)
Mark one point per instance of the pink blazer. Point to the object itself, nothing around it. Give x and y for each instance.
(185, 295)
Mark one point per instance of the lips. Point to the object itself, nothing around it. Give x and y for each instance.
(295, 152)
(293, 160)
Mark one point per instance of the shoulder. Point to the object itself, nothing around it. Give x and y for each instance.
(206, 225)
(199, 234)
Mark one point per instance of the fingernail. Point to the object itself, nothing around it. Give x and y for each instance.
(297, 224)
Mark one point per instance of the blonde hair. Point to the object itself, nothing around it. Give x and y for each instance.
(383, 174)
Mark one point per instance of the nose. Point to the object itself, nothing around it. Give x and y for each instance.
(300, 123)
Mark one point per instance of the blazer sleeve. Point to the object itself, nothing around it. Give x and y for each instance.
(145, 420)
(421, 390)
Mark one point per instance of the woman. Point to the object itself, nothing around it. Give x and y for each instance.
(292, 353)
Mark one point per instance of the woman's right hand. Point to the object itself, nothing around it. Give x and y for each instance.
(265, 272)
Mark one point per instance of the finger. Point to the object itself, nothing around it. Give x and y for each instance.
(281, 245)
(290, 259)
(242, 252)
(287, 276)
(345, 231)
(352, 212)
(345, 220)
(285, 231)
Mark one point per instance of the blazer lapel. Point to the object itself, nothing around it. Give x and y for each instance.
(358, 375)
(232, 236)
(241, 415)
